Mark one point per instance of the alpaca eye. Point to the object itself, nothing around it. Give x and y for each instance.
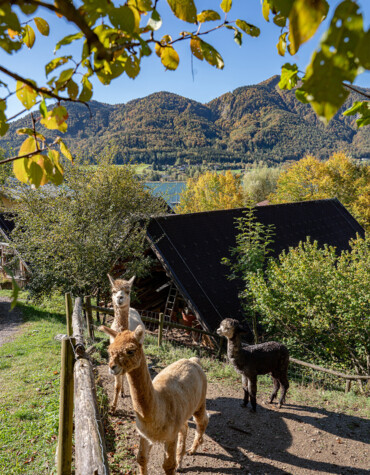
(130, 352)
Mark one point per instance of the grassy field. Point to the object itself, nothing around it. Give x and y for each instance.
(29, 391)
(29, 394)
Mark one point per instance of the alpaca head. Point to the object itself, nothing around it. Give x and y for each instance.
(125, 353)
(121, 290)
(230, 327)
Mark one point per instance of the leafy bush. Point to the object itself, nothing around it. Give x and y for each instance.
(319, 303)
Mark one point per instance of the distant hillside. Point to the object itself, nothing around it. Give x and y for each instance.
(253, 122)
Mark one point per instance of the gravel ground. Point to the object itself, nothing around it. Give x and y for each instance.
(298, 439)
(10, 321)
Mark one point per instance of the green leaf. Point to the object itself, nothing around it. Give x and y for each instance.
(363, 50)
(281, 46)
(211, 55)
(42, 25)
(208, 15)
(53, 168)
(26, 94)
(301, 96)
(68, 40)
(30, 132)
(280, 20)
(289, 76)
(20, 166)
(64, 76)
(43, 108)
(106, 71)
(238, 35)
(56, 119)
(265, 9)
(65, 151)
(3, 125)
(142, 5)
(55, 63)
(132, 66)
(184, 9)
(87, 91)
(155, 21)
(169, 57)
(27, 8)
(28, 36)
(123, 18)
(226, 5)
(195, 48)
(72, 89)
(361, 108)
(35, 168)
(251, 30)
(304, 19)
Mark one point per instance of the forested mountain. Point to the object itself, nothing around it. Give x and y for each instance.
(253, 122)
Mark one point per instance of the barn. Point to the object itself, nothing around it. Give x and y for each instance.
(188, 249)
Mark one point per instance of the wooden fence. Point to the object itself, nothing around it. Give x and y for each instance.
(77, 389)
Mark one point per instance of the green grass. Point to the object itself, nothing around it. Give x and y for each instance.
(29, 394)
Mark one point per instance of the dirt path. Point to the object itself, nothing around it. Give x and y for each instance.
(10, 321)
(296, 439)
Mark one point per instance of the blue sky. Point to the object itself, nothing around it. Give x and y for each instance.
(256, 60)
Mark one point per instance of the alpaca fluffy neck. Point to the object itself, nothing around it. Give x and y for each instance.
(121, 315)
(142, 391)
(234, 348)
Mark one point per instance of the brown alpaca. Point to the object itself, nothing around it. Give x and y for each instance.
(162, 407)
(125, 318)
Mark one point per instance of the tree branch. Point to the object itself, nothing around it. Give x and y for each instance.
(349, 86)
(70, 12)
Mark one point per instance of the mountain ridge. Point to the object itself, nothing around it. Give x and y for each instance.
(254, 122)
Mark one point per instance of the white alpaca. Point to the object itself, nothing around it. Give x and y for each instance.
(162, 406)
(125, 318)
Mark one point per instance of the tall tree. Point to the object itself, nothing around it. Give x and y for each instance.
(259, 181)
(71, 236)
(339, 177)
(115, 38)
(211, 191)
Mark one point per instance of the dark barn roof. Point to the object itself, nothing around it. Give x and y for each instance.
(191, 246)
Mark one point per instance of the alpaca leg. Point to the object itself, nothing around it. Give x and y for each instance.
(284, 388)
(201, 420)
(169, 464)
(181, 445)
(143, 455)
(276, 389)
(252, 389)
(245, 389)
(118, 384)
(122, 388)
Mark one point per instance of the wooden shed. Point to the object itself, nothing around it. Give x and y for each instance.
(188, 249)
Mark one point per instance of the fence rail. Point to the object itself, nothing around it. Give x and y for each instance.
(347, 377)
(78, 387)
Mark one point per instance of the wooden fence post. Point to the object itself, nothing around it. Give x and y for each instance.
(160, 328)
(64, 454)
(69, 311)
(89, 317)
(348, 386)
(97, 304)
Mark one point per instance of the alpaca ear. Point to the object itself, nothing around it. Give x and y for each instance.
(111, 280)
(131, 281)
(108, 331)
(140, 334)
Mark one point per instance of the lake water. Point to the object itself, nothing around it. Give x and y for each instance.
(169, 190)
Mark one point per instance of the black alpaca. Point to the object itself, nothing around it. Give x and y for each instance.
(252, 360)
